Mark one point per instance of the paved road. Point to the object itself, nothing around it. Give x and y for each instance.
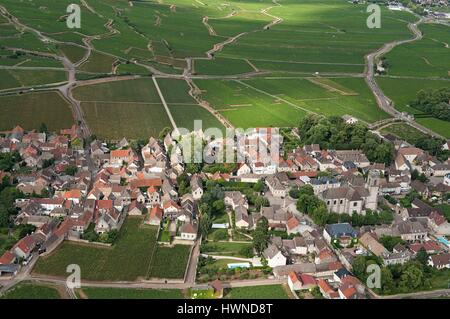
(383, 101)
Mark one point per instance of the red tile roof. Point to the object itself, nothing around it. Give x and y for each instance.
(7, 258)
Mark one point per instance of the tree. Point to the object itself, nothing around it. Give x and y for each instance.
(294, 192)
(387, 281)
(422, 257)
(43, 128)
(258, 187)
(261, 235)
(71, 170)
(359, 266)
(411, 278)
(205, 225)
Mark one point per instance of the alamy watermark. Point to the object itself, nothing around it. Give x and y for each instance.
(256, 145)
(74, 279)
(74, 16)
(374, 19)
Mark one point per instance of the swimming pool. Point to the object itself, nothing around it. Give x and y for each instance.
(238, 265)
(444, 241)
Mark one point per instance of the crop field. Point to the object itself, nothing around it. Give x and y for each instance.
(258, 62)
(28, 290)
(403, 131)
(283, 102)
(32, 109)
(135, 249)
(404, 91)
(72, 52)
(129, 293)
(429, 57)
(98, 63)
(258, 292)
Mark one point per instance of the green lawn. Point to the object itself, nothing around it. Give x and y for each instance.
(128, 293)
(28, 290)
(32, 109)
(135, 255)
(404, 91)
(446, 210)
(258, 292)
(224, 249)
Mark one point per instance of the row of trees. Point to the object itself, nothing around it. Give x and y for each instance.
(333, 133)
(434, 102)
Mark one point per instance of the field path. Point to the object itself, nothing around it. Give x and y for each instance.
(384, 102)
(275, 97)
(163, 100)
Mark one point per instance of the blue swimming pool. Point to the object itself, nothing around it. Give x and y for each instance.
(238, 265)
(444, 241)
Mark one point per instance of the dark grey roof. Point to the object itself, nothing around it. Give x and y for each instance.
(342, 229)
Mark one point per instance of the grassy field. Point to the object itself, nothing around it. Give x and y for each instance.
(72, 52)
(98, 63)
(115, 120)
(135, 255)
(258, 292)
(283, 102)
(125, 293)
(404, 91)
(32, 109)
(120, 109)
(425, 58)
(28, 290)
(403, 131)
(311, 37)
(224, 248)
(26, 78)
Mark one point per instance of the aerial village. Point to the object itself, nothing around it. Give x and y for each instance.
(312, 220)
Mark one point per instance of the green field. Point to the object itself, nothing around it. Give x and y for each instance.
(404, 91)
(120, 109)
(224, 248)
(28, 78)
(428, 57)
(125, 293)
(283, 102)
(32, 109)
(285, 45)
(134, 256)
(72, 52)
(403, 131)
(258, 292)
(28, 290)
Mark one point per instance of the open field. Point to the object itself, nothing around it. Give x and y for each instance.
(429, 57)
(72, 52)
(224, 248)
(28, 290)
(125, 293)
(111, 120)
(124, 108)
(129, 259)
(403, 131)
(283, 102)
(258, 292)
(32, 109)
(98, 63)
(403, 91)
(303, 38)
(11, 78)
